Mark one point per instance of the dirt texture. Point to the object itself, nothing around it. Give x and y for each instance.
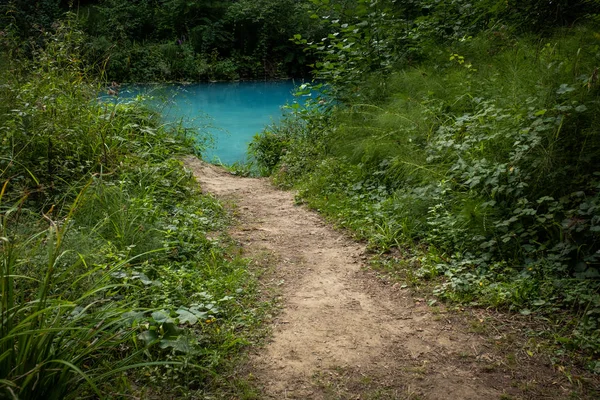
(343, 333)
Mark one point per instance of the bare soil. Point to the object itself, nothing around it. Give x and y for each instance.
(343, 333)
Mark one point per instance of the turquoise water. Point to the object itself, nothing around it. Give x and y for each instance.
(232, 112)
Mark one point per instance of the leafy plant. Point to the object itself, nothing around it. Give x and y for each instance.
(124, 284)
(57, 344)
(482, 152)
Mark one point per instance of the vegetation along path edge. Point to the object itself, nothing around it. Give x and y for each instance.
(343, 333)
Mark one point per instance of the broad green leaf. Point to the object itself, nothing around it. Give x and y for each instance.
(181, 343)
(148, 336)
(161, 316)
(186, 317)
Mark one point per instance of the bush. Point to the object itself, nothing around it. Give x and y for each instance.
(485, 153)
(109, 282)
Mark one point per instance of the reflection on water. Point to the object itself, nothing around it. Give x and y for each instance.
(232, 112)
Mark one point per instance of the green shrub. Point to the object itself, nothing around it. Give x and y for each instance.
(61, 334)
(485, 153)
(109, 281)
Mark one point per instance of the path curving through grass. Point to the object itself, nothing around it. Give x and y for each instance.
(343, 333)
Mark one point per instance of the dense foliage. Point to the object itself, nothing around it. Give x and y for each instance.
(471, 131)
(459, 138)
(110, 280)
(166, 40)
(203, 40)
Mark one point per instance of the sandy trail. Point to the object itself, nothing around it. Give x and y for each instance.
(343, 333)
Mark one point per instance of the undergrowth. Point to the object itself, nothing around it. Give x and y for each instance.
(114, 279)
(485, 153)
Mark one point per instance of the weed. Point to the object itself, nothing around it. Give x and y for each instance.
(485, 160)
(58, 343)
(118, 285)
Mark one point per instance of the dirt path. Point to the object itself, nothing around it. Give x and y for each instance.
(343, 333)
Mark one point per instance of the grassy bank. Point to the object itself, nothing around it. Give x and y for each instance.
(484, 156)
(115, 277)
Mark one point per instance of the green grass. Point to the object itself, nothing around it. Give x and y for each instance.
(49, 339)
(116, 278)
(483, 154)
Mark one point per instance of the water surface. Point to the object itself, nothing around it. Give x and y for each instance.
(232, 112)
